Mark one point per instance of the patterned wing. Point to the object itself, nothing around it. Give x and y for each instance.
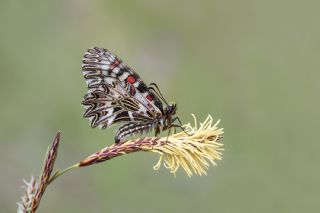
(116, 93)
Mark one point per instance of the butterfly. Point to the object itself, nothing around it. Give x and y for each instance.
(117, 94)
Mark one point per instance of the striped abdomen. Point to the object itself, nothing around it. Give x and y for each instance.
(131, 129)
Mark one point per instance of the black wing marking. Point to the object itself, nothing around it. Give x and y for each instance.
(104, 108)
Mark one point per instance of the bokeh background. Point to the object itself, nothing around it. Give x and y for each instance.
(254, 64)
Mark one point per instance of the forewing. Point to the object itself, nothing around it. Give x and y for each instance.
(101, 68)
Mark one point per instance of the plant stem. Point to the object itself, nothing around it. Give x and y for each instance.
(59, 173)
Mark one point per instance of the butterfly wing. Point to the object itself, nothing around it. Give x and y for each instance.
(105, 108)
(116, 93)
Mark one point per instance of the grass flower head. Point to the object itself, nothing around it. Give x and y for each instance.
(193, 149)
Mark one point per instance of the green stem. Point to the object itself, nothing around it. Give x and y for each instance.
(59, 173)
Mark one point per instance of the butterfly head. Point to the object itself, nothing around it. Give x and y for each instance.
(171, 109)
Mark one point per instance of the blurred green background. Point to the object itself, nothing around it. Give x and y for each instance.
(254, 64)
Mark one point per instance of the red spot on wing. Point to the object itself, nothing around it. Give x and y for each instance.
(131, 79)
(149, 97)
(114, 64)
(132, 91)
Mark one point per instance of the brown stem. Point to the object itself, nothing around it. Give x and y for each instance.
(118, 150)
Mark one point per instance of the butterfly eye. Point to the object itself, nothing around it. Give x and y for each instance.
(169, 109)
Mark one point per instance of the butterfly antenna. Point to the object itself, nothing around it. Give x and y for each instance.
(159, 92)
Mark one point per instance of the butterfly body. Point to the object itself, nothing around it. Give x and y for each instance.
(116, 94)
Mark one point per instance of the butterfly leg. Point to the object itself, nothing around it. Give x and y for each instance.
(168, 134)
(176, 119)
(174, 127)
(156, 131)
(182, 128)
(180, 125)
